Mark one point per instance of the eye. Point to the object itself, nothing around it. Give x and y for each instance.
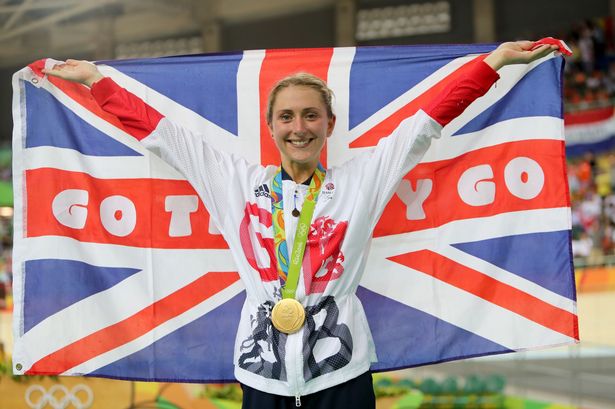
(311, 116)
(285, 117)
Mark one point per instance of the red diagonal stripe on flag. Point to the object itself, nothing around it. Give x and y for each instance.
(490, 289)
(80, 94)
(386, 127)
(135, 326)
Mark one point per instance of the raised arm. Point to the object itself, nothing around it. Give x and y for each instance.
(453, 100)
(396, 154)
(138, 118)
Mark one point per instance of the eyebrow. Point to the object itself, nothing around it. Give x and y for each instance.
(303, 110)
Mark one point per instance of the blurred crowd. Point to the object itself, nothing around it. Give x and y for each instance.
(589, 82)
(592, 188)
(589, 77)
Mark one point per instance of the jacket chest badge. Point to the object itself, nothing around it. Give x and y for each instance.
(327, 191)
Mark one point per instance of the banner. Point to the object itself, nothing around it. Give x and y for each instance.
(115, 277)
(592, 130)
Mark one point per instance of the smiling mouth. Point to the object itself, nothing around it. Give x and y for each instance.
(301, 143)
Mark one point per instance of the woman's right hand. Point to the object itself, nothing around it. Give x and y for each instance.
(83, 72)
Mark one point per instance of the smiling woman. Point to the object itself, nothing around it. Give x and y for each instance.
(301, 121)
(303, 337)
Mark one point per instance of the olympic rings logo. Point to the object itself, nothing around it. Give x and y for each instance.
(59, 397)
(302, 229)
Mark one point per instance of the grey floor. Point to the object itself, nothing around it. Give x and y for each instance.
(580, 376)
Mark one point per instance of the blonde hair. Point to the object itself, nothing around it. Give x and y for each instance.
(303, 79)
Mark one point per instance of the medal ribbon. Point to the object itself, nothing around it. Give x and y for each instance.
(288, 268)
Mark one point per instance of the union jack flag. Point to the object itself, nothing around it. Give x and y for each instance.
(471, 257)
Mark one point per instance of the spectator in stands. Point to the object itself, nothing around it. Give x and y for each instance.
(586, 50)
(582, 247)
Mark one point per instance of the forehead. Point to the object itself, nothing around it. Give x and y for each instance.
(298, 97)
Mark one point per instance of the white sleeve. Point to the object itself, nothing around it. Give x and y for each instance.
(383, 168)
(218, 177)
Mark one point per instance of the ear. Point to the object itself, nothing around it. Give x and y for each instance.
(270, 127)
(331, 125)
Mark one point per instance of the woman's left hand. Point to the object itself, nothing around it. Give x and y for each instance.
(518, 52)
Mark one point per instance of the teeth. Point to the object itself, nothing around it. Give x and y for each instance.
(299, 143)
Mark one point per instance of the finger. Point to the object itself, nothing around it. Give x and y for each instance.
(542, 51)
(57, 70)
(542, 47)
(525, 45)
(551, 49)
(51, 72)
(59, 66)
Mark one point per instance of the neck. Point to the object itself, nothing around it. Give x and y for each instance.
(299, 172)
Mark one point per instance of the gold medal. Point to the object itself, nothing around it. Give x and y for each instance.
(288, 315)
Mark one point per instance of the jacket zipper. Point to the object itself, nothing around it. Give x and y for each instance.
(295, 366)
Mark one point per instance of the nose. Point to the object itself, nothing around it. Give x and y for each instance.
(299, 126)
